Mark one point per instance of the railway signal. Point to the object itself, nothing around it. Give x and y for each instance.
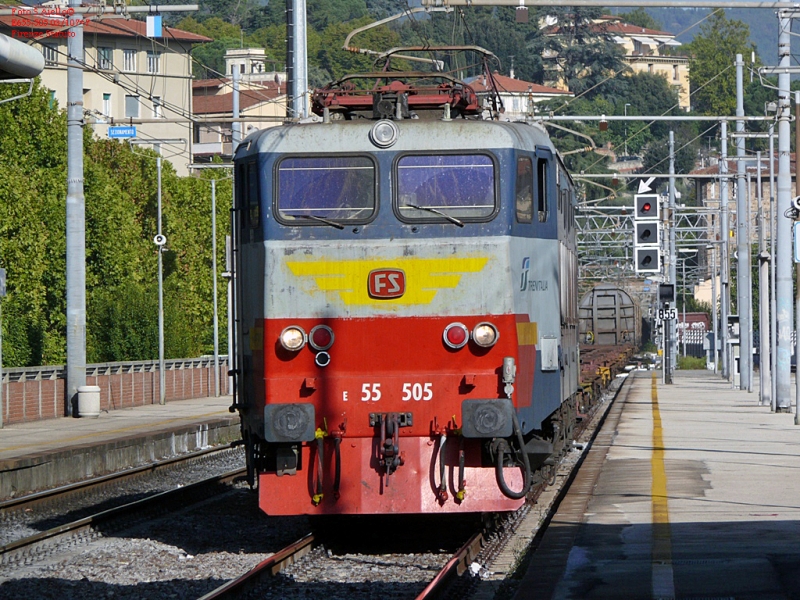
(647, 234)
(646, 206)
(648, 260)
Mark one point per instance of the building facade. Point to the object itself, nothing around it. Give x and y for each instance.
(128, 78)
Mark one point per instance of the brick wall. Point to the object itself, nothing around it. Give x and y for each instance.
(35, 393)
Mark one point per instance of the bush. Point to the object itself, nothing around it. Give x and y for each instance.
(691, 363)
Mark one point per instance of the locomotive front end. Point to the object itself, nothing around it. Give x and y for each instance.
(386, 355)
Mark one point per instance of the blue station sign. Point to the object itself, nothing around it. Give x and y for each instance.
(122, 132)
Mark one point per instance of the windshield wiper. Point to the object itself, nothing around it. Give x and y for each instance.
(322, 220)
(438, 212)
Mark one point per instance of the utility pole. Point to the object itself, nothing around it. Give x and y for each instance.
(797, 265)
(764, 370)
(743, 276)
(773, 312)
(214, 282)
(784, 233)
(76, 224)
(672, 250)
(724, 228)
(296, 61)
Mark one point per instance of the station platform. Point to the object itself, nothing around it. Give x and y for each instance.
(690, 491)
(43, 454)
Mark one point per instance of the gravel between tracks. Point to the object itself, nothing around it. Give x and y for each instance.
(182, 555)
(18, 524)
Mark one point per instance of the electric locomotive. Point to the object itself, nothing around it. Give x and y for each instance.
(406, 298)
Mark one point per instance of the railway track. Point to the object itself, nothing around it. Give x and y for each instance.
(27, 548)
(462, 573)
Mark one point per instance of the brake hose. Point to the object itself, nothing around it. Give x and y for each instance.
(502, 447)
(317, 497)
(442, 495)
(337, 455)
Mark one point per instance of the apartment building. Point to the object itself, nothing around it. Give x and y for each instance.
(127, 76)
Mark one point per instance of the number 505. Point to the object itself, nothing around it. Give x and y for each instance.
(417, 391)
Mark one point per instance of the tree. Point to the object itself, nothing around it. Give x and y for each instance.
(641, 18)
(585, 54)
(712, 55)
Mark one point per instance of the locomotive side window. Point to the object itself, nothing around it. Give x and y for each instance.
(312, 190)
(253, 204)
(524, 190)
(542, 172)
(446, 187)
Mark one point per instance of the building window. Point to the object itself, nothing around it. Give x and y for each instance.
(650, 68)
(107, 105)
(105, 58)
(53, 103)
(50, 55)
(153, 62)
(129, 61)
(675, 75)
(157, 107)
(132, 106)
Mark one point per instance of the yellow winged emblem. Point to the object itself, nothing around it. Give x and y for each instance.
(424, 277)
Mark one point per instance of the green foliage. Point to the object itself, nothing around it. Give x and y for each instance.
(711, 72)
(691, 363)
(641, 18)
(121, 261)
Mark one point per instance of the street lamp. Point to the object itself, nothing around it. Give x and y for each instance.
(625, 109)
(160, 241)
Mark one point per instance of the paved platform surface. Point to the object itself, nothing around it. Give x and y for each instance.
(698, 498)
(41, 454)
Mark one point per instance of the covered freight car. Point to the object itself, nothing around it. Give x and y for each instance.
(609, 317)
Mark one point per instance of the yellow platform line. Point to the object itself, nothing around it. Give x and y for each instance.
(663, 581)
(115, 431)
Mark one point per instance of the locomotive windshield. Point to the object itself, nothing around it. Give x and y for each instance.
(455, 186)
(313, 190)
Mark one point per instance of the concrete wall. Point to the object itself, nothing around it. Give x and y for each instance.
(35, 393)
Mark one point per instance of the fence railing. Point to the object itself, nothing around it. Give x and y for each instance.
(35, 393)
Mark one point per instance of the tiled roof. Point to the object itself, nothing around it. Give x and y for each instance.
(223, 103)
(104, 26)
(751, 166)
(616, 28)
(515, 86)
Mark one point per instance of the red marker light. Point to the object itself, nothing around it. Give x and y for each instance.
(456, 335)
(321, 337)
(646, 207)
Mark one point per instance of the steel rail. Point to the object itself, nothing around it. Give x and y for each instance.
(89, 523)
(455, 567)
(268, 567)
(29, 500)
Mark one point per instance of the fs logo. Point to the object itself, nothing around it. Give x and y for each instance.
(526, 267)
(386, 284)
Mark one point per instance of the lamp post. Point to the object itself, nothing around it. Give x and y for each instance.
(625, 109)
(160, 241)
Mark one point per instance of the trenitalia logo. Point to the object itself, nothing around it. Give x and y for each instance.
(386, 283)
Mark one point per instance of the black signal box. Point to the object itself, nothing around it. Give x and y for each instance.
(648, 260)
(646, 206)
(647, 234)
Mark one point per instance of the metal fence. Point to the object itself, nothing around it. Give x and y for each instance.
(35, 393)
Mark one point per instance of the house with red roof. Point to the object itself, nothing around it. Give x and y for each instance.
(128, 77)
(646, 50)
(519, 97)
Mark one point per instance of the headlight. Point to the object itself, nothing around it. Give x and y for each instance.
(293, 338)
(485, 335)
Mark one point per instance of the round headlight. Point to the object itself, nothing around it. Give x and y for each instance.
(384, 133)
(485, 335)
(293, 338)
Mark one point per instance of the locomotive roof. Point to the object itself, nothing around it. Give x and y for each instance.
(414, 136)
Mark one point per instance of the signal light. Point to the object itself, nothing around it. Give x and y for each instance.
(293, 338)
(321, 337)
(647, 234)
(456, 335)
(646, 206)
(648, 260)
